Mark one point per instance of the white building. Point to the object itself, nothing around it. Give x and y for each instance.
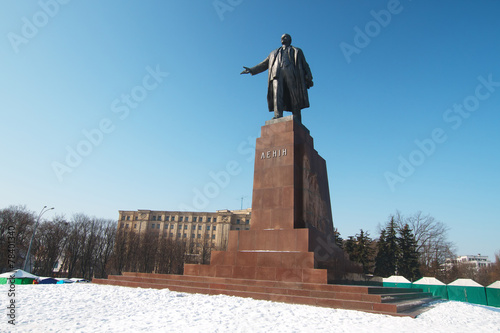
(477, 261)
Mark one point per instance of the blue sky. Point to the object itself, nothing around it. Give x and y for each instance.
(118, 105)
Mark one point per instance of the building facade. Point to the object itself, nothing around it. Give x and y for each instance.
(477, 262)
(199, 227)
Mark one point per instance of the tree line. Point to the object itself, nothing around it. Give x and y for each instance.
(413, 246)
(89, 247)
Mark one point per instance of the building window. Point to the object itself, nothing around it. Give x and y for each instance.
(237, 228)
(126, 226)
(184, 236)
(158, 226)
(128, 218)
(123, 217)
(154, 218)
(179, 235)
(199, 235)
(215, 219)
(208, 227)
(213, 236)
(192, 235)
(238, 221)
(135, 225)
(159, 218)
(136, 218)
(194, 218)
(171, 226)
(247, 221)
(166, 226)
(214, 228)
(171, 234)
(180, 218)
(121, 225)
(185, 227)
(173, 218)
(200, 219)
(186, 219)
(209, 219)
(199, 227)
(153, 225)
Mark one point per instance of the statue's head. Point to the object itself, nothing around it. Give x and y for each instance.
(286, 39)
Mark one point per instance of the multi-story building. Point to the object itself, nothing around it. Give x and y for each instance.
(189, 226)
(477, 262)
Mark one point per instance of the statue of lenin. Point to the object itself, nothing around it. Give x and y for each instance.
(288, 80)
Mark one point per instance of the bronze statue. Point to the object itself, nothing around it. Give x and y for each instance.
(288, 81)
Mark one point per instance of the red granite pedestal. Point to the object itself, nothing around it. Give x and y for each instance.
(291, 234)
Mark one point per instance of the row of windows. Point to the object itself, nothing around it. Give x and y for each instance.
(172, 218)
(192, 235)
(157, 226)
(172, 226)
(172, 234)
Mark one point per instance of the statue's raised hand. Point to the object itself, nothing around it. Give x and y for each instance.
(246, 70)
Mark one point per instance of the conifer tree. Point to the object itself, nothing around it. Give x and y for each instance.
(338, 239)
(388, 251)
(360, 250)
(408, 264)
(350, 248)
(381, 265)
(364, 251)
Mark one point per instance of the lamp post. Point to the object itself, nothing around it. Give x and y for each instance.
(43, 211)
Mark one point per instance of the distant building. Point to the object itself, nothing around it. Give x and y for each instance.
(187, 226)
(477, 262)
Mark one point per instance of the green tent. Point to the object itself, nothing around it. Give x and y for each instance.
(467, 290)
(20, 277)
(431, 285)
(493, 294)
(396, 281)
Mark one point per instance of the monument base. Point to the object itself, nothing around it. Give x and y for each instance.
(291, 235)
(289, 253)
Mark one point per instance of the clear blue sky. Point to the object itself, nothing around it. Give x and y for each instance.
(76, 79)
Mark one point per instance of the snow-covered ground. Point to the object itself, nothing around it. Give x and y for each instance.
(97, 308)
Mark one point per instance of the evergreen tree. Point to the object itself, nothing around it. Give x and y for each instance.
(381, 259)
(350, 248)
(408, 264)
(360, 250)
(388, 251)
(338, 239)
(392, 247)
(364, 251)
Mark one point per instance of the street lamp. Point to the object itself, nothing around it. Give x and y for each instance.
(43, 211)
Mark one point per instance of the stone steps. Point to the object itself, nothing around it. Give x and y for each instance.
(369, 299)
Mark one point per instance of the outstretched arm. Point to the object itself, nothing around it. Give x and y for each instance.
(256, 69)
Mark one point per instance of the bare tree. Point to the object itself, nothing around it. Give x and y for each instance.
(105, 246)
(49, 242)
(16, 222)
(74, 247)
(432, 241)
(148, 251)
(132, 254)
(205, 251)
(118, 257)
